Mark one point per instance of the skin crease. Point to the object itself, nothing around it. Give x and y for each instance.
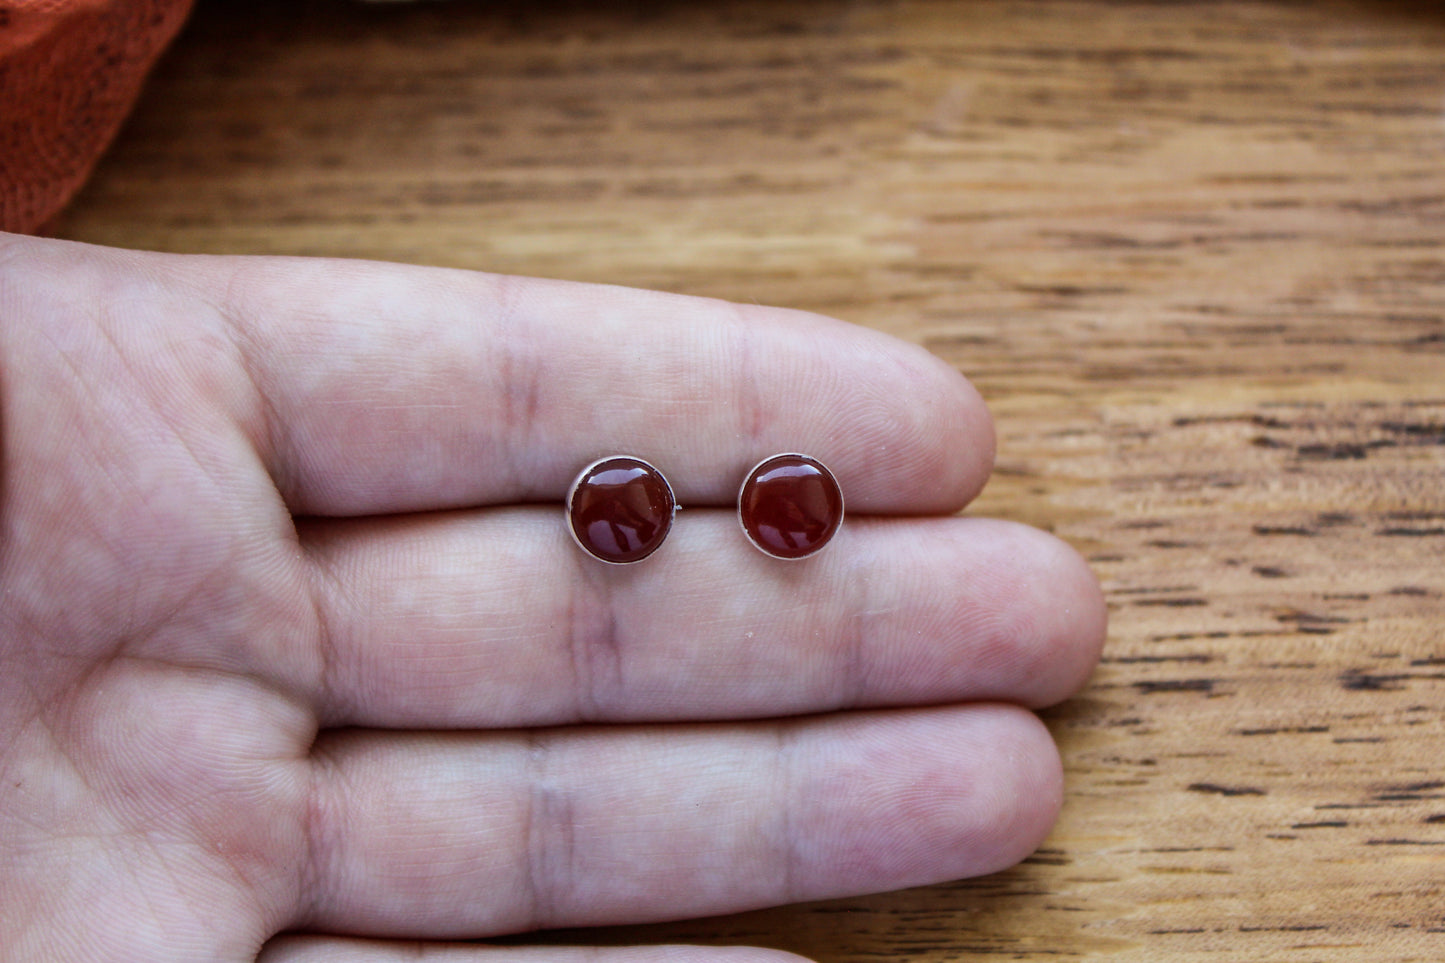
(294, 641)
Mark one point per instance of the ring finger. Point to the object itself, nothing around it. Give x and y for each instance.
(461, 835)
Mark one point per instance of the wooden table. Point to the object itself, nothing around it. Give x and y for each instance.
(1194, 255)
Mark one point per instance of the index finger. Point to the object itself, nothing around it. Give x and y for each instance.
(391, 388)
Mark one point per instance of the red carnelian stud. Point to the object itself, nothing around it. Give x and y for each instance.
(620, 509)
(790, 506)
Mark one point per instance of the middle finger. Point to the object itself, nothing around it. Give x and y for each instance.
(495, 619)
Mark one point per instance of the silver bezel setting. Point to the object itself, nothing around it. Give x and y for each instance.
(572, 491)
(842, 506)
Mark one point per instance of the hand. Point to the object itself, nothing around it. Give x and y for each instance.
(294, 639)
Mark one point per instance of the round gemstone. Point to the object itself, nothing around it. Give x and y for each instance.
(790, 506)
(620, 509)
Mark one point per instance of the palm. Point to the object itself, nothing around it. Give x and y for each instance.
(154, 595)
(287, 642)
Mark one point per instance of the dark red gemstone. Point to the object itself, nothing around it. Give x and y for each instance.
(790, 506)
(620, 509)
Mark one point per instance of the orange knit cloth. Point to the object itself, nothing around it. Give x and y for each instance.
(69, 71)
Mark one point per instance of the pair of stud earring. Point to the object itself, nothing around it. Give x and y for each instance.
(620, 508)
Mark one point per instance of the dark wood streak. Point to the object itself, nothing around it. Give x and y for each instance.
(1211, 789)
(1193, 253)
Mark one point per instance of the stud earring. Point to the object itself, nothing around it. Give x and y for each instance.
(619, 509)
(790, 506)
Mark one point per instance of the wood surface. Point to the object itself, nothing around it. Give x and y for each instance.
(1194, 255)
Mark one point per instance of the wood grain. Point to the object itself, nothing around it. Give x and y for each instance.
(1192, 252)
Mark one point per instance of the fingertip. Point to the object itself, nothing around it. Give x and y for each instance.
(1027, 790)
(1073, 623)
(1000, 800)
(1035, 610)
(929, 795)
(965, 441)
(905, 431)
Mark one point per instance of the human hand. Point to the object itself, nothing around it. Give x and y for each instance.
(294, 638)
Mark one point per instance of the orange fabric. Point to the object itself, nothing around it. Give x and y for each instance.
(69, 71)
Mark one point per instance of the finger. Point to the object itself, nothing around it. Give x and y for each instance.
(495, 619)
(458, 835)
(388, 388)
(322, 949)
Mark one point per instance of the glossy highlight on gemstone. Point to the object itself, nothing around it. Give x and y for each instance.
(620, 509)
(790, 506)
